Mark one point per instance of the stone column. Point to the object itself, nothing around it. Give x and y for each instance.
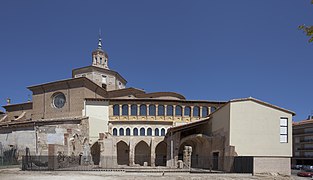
(191, 112)
(156, 110)
(131, 153)
(165, 111)
(147, 110)
(138, 110)
(174, 111)
(187, 156)
(129, 110)
(152, 148)
(200, 113)
(120, 113)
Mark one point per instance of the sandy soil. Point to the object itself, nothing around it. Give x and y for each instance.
(17, 174)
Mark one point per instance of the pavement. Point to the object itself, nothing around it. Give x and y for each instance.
(17, 174)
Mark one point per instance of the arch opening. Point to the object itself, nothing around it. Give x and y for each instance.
(200, 156)
(122, 153)
(95, 153)
(160, 154)
(142, 153)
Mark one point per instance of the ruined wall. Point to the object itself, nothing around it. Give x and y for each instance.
(18, 141)
(68, 138)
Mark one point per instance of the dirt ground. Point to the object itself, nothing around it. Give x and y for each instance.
(17, 174)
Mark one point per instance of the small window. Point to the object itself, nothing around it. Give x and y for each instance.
(125, 110)
(135, 132)
(162, 132)
(156, 132)
(213, 109)
(187, 111)
(160, 110)
(121, 132)
(116, 110)
(149, 132)
(204, 111)
(143, 110)
(114, 132)
(133, 110)
(151, 110)
(127, 132)
(284, 130)
(142, 132)
(178, 111)
(169, 110)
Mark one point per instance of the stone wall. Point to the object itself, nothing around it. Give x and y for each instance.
(68, 136)
(274, 165)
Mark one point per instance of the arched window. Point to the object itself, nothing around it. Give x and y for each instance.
(142, 132)
(133, 110)
(213, 109)
(116, 110)
(121, 132)
(125, 110)
(149, 132)
(156, 132)
(127, 132)
(196, 111)
(169, 110)
(114, 132)
(135, 132)
(143, 110)
(178, 110)
(204, 111)
(162, 132)
(160, 110)
(151, 110)
(187, 111)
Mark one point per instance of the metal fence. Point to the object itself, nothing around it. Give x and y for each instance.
(8, 156)
(81, 163)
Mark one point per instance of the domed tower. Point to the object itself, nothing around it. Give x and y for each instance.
(99, 71)
(99, 56)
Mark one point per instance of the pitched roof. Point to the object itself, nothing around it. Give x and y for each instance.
(263, 103)
(95, 68)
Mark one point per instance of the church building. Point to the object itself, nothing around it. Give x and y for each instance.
(94, 114)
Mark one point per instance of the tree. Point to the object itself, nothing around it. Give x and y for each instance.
(308, 30)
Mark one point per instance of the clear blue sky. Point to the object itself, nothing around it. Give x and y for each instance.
(206, 50)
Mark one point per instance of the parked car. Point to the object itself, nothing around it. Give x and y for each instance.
(306, 173)
(298, 167)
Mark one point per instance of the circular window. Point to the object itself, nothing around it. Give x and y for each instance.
(59, 100)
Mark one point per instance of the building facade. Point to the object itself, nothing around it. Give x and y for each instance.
(303, 142)
(94, 114)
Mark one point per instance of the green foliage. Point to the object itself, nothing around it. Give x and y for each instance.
(308, 30)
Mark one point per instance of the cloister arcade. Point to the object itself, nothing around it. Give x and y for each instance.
(142, 152)
(160, 110)
(128, 131)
